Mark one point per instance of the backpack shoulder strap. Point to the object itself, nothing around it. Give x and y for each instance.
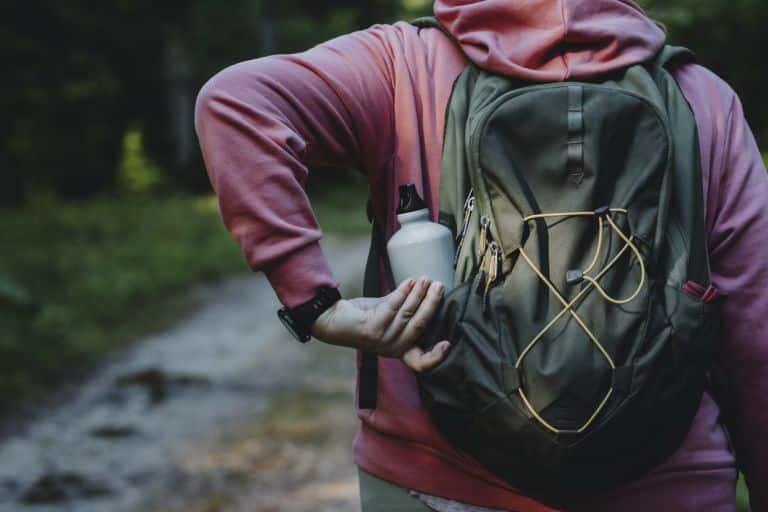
(433, 22)
(719, 383)
(671, 56)
(373, 286)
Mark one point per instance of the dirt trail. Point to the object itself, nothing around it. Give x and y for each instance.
(223, 412)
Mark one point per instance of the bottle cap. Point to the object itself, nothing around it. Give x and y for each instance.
(410, 201)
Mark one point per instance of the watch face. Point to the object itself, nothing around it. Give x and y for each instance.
(287, 321)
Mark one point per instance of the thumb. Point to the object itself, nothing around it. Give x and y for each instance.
(419, 361)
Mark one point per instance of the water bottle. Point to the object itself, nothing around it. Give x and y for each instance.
(420, 247)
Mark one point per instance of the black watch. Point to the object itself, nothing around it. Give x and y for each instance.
(299, 320)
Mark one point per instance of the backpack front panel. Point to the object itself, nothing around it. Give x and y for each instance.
(576, 364)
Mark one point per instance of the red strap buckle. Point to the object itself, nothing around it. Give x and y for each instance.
(705, 295)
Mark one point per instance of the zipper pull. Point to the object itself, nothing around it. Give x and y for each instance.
(493, 271)
(469, 205)
(483, 277)
(485, 223)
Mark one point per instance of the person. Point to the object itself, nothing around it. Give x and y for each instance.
(375, 100)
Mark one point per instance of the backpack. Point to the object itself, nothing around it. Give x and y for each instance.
(582, 322)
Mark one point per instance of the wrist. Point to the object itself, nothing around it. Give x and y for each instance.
(342, 325)
(318, 327)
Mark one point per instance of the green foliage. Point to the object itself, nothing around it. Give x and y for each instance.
(415, 8)
(137, 175)
(79, 280)
(74, 278)
(742, 496)
(339, 198)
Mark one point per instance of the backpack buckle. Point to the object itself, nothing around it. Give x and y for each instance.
(573, 277)
(602, 211)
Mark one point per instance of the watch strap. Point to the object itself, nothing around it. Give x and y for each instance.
(304, 315)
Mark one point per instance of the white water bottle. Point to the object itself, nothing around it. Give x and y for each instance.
(420, 247)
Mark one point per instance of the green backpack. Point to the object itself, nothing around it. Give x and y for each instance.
(582, 320)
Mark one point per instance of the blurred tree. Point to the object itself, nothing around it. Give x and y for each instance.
(85, 72)
(63, 102)
(195, 40)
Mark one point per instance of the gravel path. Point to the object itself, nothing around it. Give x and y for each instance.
(221, 412)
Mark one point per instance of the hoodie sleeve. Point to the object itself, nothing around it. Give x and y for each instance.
(263, 122)
(736, 191)
(739, 256)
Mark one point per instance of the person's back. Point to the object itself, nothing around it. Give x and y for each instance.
(377, 99)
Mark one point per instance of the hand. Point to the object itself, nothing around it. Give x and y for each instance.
(388, 326)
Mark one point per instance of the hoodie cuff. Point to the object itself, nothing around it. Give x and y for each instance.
(298, 275)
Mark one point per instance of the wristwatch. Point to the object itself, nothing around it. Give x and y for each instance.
(299, 320)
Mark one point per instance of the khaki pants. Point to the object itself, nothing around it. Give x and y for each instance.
(377, 495)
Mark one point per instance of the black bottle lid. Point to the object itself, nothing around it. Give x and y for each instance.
(409, 199)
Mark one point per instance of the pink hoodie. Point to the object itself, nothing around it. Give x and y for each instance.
(375, 99)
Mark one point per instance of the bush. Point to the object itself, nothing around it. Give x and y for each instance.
(77, 280)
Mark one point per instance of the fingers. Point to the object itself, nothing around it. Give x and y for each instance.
(419, 361)
(408, 309)
(394, 300)
(400, 319)
(416, 322)
(397, 297)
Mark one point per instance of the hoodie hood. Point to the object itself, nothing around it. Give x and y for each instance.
(551, 40)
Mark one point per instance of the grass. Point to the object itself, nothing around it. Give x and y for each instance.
(742, 496)
(79, 280)
(340, 210)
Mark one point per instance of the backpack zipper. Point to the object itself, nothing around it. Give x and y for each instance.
(485, 235)
(489, 251)
(492, 272)
(469, 206)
